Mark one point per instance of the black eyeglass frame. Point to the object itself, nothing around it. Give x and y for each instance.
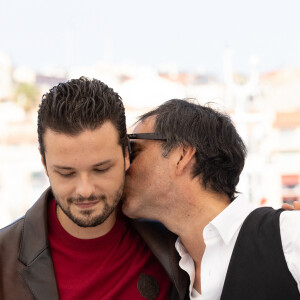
(143, 136)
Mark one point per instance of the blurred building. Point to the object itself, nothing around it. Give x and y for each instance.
(22, 177)
(269, 121)
(264, 107)
(6, 70)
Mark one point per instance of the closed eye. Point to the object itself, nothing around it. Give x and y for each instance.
(66, 174)
(135, 152)
(134, 148)
(101, 170)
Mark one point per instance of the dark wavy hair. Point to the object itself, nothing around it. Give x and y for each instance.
(80, 104)
(220, 151)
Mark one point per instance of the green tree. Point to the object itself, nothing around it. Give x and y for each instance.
(26, 95)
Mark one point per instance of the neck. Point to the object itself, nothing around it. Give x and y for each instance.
(200, 211)
(190, 219)
(85, 232)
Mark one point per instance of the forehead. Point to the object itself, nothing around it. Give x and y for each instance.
(101, 139)
(146, 126)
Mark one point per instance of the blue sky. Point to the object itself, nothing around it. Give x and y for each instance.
(192, 33)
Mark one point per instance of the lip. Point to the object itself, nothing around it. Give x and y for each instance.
(86, 205)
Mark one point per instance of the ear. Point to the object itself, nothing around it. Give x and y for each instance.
(43, 162)
(185, 157)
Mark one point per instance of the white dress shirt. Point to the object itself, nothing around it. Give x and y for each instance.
(220, 236)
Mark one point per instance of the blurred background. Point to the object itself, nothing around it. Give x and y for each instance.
(242, 56)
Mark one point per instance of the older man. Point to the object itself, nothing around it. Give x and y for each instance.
(186, 163)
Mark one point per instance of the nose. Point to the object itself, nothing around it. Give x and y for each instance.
(84, 186)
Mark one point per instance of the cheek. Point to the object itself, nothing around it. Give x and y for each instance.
(61, 188)
(111, 180)
(58, 192)
(137, 170)
(142, 178)
(133, 182)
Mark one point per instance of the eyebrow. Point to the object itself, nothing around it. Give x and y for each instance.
(70, 168)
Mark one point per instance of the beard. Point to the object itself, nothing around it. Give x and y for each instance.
(87, 220)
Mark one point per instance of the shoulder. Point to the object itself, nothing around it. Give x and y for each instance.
(39, 207)
(267, 216)
(10, 236)
(159, 239)
(265, 212)
(262, 226)
(16, 226)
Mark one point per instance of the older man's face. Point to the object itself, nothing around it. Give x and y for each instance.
(148, 178)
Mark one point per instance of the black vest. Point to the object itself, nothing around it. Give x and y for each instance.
(257, 268)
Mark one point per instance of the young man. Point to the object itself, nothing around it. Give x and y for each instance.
(74, 243)
(187, 160)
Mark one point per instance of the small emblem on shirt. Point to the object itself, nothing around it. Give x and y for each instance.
(148, 286)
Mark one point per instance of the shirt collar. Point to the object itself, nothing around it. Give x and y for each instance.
(231, 218)
(186, 263)
(180, 248)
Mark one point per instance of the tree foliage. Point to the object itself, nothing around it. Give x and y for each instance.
(26, 95)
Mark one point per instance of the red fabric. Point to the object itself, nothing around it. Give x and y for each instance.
(107, 267)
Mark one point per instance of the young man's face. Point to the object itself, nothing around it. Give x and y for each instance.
(86, 173)
(148, 178)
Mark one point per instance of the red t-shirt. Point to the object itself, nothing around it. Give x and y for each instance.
(117, 265)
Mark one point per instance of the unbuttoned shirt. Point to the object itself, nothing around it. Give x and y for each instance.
(220, 236)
